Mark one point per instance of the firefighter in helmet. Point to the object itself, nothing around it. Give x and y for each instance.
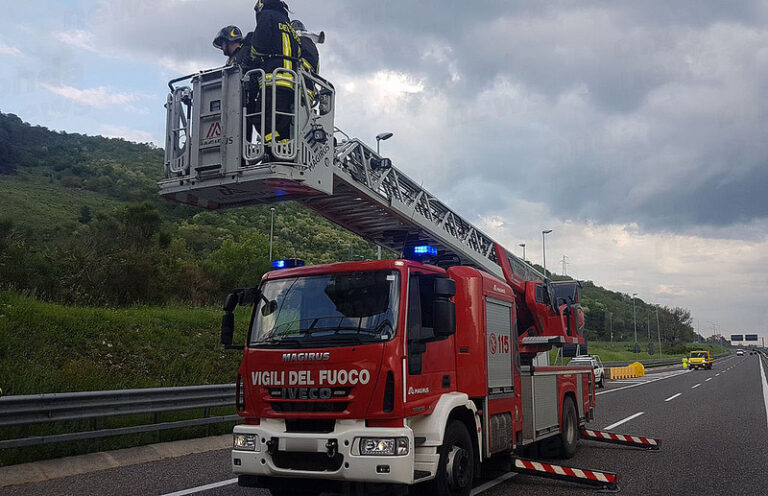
(231, 42)
(310, 57)
(275, 45)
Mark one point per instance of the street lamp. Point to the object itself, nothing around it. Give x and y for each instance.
(634, 317)
(544, 248)
(271, 231)
(382, 137)
(522, 245)
(658, 330)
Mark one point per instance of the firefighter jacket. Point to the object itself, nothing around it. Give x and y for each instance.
(274, 43)
(242, 55)
(309, 55)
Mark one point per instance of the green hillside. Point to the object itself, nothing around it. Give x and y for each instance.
(81, 223)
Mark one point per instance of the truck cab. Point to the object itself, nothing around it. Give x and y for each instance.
(393, 372)
(700, 359)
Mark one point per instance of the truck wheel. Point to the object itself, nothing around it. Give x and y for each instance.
(456, 469)
(569, 436)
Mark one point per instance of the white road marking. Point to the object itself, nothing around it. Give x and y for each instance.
(707, 380)
(765, 387)
(666, 376)
(495, 482)
(200, 489)
(673, 396)
(717, 375)
(697, 385)
(623, 421)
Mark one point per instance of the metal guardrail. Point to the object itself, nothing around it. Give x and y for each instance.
(19, 411)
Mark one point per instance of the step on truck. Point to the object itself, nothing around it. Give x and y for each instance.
(393, 373)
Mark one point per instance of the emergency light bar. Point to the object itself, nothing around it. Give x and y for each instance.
(420, 252)
(288, 263)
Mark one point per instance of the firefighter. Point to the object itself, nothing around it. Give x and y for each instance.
(231, 42)
(275, 45)
(685, 362)
(310, 57)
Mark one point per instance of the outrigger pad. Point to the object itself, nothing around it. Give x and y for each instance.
(600, 478)
(609, 437)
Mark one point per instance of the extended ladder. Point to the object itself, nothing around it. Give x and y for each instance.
(211, 164)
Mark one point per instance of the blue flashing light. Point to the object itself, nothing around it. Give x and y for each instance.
(425, 250)
(420, 252)
(288, 263)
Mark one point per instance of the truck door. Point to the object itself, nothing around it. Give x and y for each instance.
(431, 361)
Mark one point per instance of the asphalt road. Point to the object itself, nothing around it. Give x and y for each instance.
(713, 424)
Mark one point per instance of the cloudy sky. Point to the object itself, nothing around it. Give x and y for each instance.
(635, 130)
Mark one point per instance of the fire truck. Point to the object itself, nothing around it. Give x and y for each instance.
(386, 373)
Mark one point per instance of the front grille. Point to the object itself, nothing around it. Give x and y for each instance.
(309, 406)
(322, 426)
(285, 394)
(314, 462)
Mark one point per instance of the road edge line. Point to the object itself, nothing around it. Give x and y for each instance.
(623, 421)
(493, 483)
(199, 489)
(765, 386)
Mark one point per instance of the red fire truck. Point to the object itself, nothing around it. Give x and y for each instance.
(398, 372)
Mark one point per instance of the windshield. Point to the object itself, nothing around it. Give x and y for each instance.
(699, 354)
(328, 310)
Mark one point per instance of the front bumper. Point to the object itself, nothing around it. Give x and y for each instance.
(305, 455)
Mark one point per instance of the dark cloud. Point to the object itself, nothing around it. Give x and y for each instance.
(633, 112)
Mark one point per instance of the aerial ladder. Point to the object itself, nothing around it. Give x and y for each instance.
(219, 154)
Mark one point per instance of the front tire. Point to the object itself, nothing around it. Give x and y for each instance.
(456, 470)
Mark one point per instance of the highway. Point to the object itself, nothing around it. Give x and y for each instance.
(713, 423)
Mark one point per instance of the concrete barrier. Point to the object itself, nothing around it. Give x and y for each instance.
(629, 372)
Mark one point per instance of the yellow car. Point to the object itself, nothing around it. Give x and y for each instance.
(700, 359)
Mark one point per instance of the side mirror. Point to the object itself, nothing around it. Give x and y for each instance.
(231, 302)
(444, 319)
(227, 328)
(444, 287)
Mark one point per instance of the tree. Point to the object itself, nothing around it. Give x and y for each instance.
(85, 215)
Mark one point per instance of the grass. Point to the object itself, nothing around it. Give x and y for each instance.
(622, 351)
(45, 209)
(47, 348)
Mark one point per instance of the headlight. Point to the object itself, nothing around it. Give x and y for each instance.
(389, 446)
(245, 442)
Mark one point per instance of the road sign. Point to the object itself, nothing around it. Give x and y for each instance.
(737, 337)
(750, 337)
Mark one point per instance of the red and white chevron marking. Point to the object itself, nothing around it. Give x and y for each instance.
(609, 436)
(593, 476)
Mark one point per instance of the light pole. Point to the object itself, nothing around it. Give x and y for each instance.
(658, 331)
(382, 137)
(271, 231)
(634, 317)
(522, 245)
(610, 320)
(544, 248)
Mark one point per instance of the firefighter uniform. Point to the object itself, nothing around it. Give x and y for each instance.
(310, 57)
(242, 55)
(274, 45)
